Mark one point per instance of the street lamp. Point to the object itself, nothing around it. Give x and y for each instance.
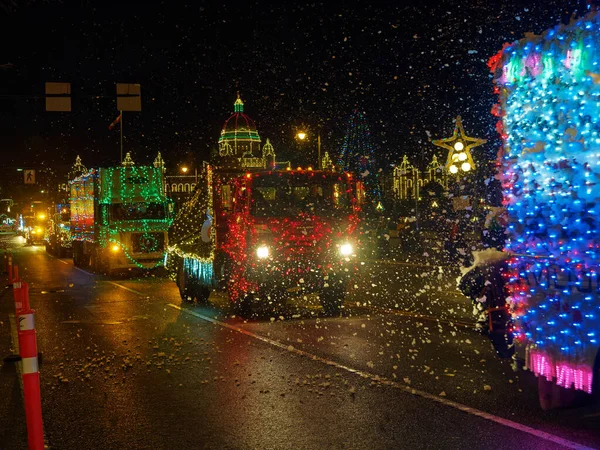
(302, 135)
(184, 169)
(459, 159)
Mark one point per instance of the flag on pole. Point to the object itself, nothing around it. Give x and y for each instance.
(116, 121)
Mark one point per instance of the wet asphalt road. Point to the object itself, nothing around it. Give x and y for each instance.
(126, 365)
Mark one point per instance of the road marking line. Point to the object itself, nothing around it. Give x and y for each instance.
(467, 409)
(84, 271)
(126, 288)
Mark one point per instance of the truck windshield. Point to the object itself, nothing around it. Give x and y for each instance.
(137, 211)
(291, 195)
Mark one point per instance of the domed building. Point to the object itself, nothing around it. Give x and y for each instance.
(239, 143)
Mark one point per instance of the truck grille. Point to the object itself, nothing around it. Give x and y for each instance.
(147, 242)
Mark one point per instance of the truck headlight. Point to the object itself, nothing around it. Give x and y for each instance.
(346, 249)
(262, 252)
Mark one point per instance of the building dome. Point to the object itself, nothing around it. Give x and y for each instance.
(239, 128)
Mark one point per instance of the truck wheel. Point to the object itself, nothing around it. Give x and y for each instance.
(185, 288)
(84, 259)
(190, 291)
(222, 270)
(243, 306)
(552, 396)
(98, 264)
(76, 255)
(332, 300)
(202, 294)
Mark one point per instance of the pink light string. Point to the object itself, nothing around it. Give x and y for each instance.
(567, 375)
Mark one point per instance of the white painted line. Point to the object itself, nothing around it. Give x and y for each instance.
(126, 288)
(467, 409)
(64, 262)
(84, 271)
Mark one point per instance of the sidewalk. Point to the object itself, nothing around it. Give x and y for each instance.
(13, 430)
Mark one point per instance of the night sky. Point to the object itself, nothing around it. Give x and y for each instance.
(411, 69)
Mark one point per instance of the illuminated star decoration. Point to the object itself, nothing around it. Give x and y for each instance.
(459, 147)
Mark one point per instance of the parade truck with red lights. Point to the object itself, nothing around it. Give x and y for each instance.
(119, 218)
(548, 87)
(266, 236)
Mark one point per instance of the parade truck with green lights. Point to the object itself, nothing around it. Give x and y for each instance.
(264, 237)
(548, 87)
(119, 218)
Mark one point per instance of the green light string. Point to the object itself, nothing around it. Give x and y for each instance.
(135, 183)
(133, 260)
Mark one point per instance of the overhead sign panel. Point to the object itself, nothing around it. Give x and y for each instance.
(129, 97)
(58, 97)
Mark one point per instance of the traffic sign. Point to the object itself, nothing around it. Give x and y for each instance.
(58, 96)
(129, 97)
(29, 176)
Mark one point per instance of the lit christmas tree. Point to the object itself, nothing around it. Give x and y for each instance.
(357, 155)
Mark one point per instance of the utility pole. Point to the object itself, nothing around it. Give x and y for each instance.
(319, 151)
(121, 114)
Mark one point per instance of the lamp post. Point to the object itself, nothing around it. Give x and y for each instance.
(459, 145)
(459, 160)
(184, 170)
(303, 135)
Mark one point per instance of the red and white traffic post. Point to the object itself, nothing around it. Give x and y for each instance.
(31, 374)
(18, 295)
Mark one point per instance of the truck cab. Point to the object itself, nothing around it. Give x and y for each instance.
(265, 236)
(35, 219)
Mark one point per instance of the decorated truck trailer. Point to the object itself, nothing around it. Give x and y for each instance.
(58, 231)
(265, 236)
(119, 218)
(549, 91)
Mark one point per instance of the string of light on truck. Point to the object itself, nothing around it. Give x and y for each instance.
(129, 202)
(549, 90)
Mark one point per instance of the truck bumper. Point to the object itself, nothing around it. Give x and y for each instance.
(121, 261)
(299, 278)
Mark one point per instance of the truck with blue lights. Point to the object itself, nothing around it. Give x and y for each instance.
(265, 236)
(548, 88)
